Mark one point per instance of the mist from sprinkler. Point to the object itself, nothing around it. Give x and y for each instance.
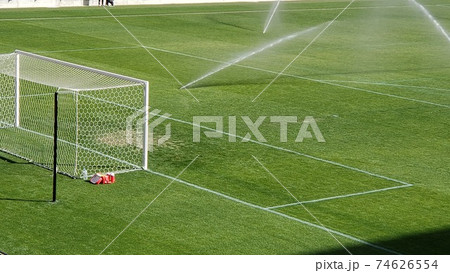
(252, 53)
(271, 15)
(432, 19)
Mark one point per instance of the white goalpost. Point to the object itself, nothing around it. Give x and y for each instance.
(95, 131)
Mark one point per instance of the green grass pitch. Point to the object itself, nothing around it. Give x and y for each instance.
(376, 81)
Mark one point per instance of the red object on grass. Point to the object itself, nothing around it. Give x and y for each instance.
(99, 178)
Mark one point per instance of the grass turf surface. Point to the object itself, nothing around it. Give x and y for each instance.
(376, 81)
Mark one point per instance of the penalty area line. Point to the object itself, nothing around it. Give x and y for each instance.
(339, 196)
(303, 206)
(344, 235)
(291, 151)
(149, 204)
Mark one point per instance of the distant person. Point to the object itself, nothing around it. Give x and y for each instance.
(110, 2)
(102, 2)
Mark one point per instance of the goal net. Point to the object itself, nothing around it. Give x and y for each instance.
(102, 119)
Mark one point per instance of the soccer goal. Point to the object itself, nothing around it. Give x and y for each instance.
(102, 120)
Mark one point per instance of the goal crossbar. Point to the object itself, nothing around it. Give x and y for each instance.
(77, 66)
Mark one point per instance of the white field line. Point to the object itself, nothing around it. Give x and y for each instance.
(306, 78)
(274, 212)
(304, 49)
(271, 15)
(151, 54)
(412, 80)
(265, 144)
(269, 145)
(149, 204)
(88, 49)
(201, 13)
(6, 124)
(291, 151)
(303, 206)
(381, 93)
(295, 152)
(251, 54)
(391, 84)
(339, 197)
(327, 82)
(332, 83)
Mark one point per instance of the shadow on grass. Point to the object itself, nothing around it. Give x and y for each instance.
(19, 161)
(25, 200)
(427, 243)
(9, 160)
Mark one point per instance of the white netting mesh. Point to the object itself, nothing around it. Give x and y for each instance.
(7, 83)
(93, 108)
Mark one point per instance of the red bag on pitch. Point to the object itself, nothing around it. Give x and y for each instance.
(100, 178)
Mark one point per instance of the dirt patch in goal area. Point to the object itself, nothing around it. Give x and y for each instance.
(123, 139)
